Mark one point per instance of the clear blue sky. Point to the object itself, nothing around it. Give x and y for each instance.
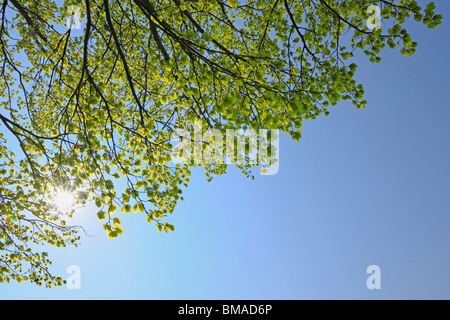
(362, 187)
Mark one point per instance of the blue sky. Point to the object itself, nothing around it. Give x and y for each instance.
(362, 187)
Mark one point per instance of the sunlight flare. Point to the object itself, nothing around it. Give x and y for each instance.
(64, 200)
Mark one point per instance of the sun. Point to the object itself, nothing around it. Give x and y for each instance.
(64, 200)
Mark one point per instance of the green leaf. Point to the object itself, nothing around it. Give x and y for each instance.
(297, 135)
(101, 215)
(112, 208)
(116, 222)
(98, 202)
(126, 208)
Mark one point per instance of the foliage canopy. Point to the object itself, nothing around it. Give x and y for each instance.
(88, 107)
